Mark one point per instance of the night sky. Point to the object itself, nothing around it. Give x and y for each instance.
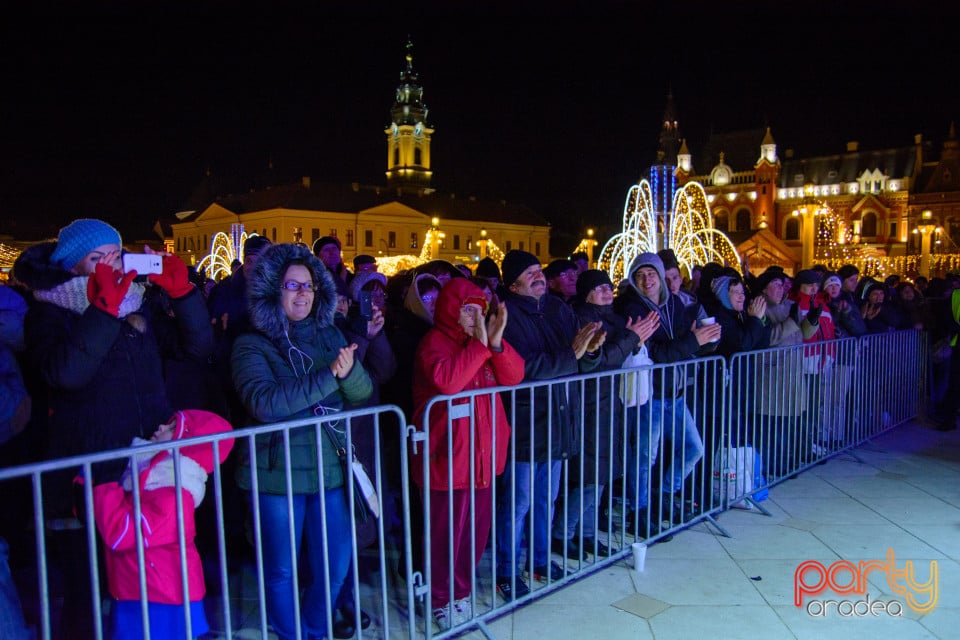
(119, 113)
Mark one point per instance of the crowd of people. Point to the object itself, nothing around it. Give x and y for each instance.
(99, 359)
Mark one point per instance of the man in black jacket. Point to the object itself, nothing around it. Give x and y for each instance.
(545, 332)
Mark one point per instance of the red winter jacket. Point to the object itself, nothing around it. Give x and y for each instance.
(448, 362)
(816, 359)
(114, 515)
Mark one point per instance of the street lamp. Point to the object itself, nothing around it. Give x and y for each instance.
(590, 242)
(435, 237)
(926, 229)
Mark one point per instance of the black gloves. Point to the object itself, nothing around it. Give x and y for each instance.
(813, 316)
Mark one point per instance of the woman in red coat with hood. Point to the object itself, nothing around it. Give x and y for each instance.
(463, 351)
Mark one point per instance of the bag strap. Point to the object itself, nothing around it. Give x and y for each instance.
(338, 444)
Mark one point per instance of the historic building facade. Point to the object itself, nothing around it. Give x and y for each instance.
(380, 220)
(881, 199)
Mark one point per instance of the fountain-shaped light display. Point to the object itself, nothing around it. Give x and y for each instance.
(224, 249)
(687, 229)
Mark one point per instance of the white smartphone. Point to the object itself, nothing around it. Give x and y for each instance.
(142, 263)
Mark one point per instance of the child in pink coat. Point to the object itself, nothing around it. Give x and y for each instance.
(114, 514)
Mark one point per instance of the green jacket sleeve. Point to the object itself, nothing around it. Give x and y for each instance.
(270, 390)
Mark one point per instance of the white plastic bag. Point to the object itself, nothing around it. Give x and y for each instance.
(636, 386)
(733, 474)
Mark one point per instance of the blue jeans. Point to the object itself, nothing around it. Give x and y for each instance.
(279, 565)
(671, 419)
(641, 431)
(11, 615)
(579, 497)
(512, 519)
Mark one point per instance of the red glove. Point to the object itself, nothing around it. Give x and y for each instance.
(174, 278)
(107, 287)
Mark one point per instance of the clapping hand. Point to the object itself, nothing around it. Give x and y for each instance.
(813, 316)
(341, 366)
(757, 308)
(644, 327)
(589, 339)
(496, 323)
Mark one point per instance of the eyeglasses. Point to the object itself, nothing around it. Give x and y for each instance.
(293, 285)
(603, 287)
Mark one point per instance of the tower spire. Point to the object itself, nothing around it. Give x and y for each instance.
(408, 136)
(408, 107)
(669, 141)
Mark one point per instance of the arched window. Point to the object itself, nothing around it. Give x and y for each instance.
(720, 220)
(417, 156)
(868, 226)
(396, 156)
(743, 220)
(791, 230)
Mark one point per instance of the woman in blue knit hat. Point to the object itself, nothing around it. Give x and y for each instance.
(95, 343)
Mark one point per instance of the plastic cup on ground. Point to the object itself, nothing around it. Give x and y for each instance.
(639, 555)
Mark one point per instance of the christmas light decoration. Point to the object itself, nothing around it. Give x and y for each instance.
(224, 249)
(8, 255)
(687, 228)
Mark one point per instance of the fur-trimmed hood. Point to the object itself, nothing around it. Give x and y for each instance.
(264, 289)
(34, 269)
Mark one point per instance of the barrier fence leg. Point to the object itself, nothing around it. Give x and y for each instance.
(709, 518)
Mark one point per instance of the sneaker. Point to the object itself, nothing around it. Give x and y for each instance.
(505, 589)
(601, 550)
(442, 616)
(462, 611)
(642, 517)
(677, 511)
(568, 548)
(554, 571)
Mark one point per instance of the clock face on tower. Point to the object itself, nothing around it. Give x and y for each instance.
(417, 130)
(396, 130)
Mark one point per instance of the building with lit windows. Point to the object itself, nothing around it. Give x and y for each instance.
(381, 220)
(880, 198)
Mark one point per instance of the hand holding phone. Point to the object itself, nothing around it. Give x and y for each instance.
(366, 306)
(142, 263)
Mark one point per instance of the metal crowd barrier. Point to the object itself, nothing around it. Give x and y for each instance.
(794, 407)
(650, 451)
(376, 554)
(639, 476)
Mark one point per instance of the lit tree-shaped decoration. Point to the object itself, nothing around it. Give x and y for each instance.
(687, 229)
(831, 239)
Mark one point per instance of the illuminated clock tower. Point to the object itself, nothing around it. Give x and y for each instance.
(408, 136)
(767, 171)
